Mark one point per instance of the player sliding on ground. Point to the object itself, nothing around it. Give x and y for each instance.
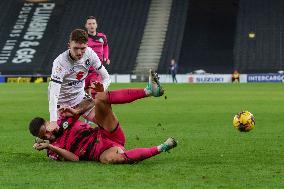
(74, 140)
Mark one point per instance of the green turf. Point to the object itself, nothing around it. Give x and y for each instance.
(210, 154)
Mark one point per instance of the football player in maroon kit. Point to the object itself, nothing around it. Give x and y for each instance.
(74, 140)
(98, 42)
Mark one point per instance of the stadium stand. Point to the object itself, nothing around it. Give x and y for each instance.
(216, 36)
(208, 40)
(123, 24)
(123, 21)
(154, 36)
(262, 51)
(26, 38)
(174, 37)
(5, 26)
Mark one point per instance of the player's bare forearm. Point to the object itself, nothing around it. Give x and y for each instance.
(84, 106)
(69, 156)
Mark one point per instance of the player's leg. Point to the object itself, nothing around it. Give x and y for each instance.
(105, 99)
(129, 95)
(103, 114)
(112, 156)
(117, 155)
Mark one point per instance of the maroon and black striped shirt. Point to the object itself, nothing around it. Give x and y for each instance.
(76, 137)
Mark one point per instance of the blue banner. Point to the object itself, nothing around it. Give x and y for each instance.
(2, 79)
(271, 77)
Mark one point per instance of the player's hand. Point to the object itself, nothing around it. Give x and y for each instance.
(108, 61)
(68, 111)
(52, 126)
(40, 146)
(97, 86)
(39, 140)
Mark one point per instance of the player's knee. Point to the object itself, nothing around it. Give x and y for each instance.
(112, 156)
(105, 160)
(112, 159)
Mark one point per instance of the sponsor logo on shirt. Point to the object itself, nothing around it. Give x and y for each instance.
(79, 75)
(74, 83)
(101, 40)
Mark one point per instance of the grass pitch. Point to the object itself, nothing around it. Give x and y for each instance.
(210, 153)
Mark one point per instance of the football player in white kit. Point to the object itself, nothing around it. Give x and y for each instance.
(66, 86)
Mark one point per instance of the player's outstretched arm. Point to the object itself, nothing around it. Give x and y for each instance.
(84, 106)
(69, 156)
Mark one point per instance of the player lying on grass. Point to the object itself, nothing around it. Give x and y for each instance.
(74, 140)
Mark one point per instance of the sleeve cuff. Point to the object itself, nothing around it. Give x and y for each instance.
(53, 116)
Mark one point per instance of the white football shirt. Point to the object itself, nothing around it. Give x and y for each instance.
(66, 86)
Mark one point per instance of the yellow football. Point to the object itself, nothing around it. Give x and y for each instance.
(244, 121)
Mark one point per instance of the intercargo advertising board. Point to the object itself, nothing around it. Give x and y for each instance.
(269, 77)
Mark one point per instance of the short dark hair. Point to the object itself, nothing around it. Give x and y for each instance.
(91, 17)
(35, 125)
(79, 36)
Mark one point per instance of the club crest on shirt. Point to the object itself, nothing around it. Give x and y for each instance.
(65, 125)
(79, 75)
(87, 63)
(72, 69)
(101, 40)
